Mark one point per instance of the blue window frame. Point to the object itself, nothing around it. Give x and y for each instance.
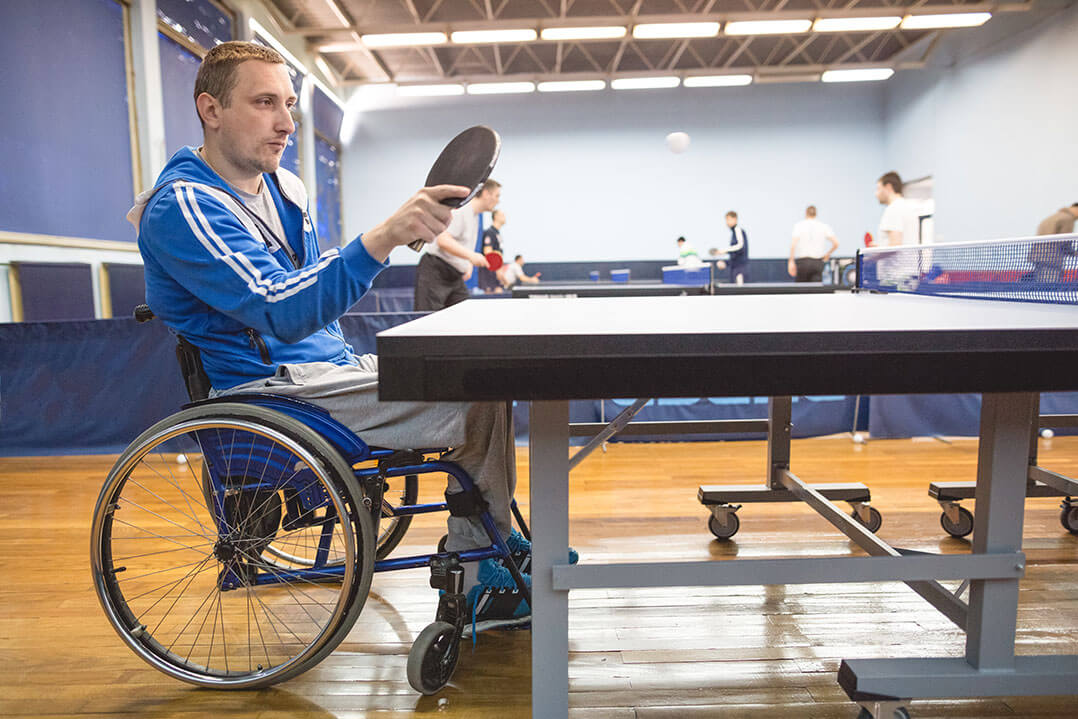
(328, 197)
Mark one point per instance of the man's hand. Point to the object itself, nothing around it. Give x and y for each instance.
(422, 217)
(478, 260)
(791, 268)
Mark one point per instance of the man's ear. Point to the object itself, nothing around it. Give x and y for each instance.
(209, 109)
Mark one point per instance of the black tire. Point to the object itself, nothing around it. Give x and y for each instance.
(441, 543)
(1069, 517)
(722, 532)
(205, 563)
(391, 529)
(959, 529)
(433, 658)
(875, 519)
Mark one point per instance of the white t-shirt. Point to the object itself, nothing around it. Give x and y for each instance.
(512, 273)
(464, 227)
(811, 236)
(900, 216)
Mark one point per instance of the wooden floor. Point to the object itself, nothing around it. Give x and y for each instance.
(769, 651)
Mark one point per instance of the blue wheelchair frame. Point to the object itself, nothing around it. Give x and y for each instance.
(353, 450)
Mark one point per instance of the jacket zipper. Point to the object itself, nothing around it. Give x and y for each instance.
(258, 343)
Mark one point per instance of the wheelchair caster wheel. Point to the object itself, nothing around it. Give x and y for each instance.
(721, 532)
(875, 519)
(433, 658)
(900, 713)
(1069, 516)
(962, 527)
(441, 543)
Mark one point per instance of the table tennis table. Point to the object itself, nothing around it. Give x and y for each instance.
(766, 345)
(608, 289)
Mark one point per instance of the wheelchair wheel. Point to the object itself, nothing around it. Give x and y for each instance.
(433, 658)
(179, 551)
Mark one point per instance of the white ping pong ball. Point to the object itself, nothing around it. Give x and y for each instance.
(181, 459)
(1047, 433)
(858, 438)
(678, 142)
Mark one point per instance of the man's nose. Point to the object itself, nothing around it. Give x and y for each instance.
(285, 121)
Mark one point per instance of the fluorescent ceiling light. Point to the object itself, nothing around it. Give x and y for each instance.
(404, 39)
(608, 32)
(348, 46)
(781, 77)
(571, 85)
(442, 90)
(867, 74)
(500, 88)
(767, 27)
(644, 83)
(717, 80)
(337, 11)
(471, 37)
(650, 31)
(324, 67)
(960, 19)
(855, 24)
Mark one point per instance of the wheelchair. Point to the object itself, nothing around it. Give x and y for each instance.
(234, 542)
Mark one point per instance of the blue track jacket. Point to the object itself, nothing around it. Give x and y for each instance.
(225, 283)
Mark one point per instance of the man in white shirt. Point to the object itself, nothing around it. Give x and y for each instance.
(809, 249)
(513, 272)
(448, 261)
(899, 224)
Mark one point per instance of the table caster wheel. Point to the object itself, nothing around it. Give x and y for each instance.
(1069, 516)
(724, 532)
(962, 527)
(875, 519)
(433, 658)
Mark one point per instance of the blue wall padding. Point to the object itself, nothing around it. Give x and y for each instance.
(56, 291)
(127, 288)
(954, 415)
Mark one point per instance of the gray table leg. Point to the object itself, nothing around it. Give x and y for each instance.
(1000, 495)
(549, 467)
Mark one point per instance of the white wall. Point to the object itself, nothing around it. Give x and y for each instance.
(589, 177)
(996, 125)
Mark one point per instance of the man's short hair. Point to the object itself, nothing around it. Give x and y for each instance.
(1075, 204)
(494, 214)
(892, 179)
(491, 185)
(732, 214)
(680, 240)
(810, 210)
(518, 257)
(217, 73)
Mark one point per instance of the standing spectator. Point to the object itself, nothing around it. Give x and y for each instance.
(809, 249)
(737, 250)
(492, 242)
(899, 224)
(448, 261)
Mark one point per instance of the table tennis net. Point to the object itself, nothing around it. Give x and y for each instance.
(1042, 269)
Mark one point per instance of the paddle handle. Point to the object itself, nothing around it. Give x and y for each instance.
(417, 245)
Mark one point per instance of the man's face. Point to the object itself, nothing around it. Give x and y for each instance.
(254, 128)
(731, 221)
(882, 193)
(489, 199)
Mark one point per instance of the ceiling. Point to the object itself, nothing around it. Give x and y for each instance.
(333, 29)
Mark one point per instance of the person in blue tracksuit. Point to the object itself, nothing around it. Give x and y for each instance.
(232, 264)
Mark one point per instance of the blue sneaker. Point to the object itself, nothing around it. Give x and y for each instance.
(521, 550)
(495, 602)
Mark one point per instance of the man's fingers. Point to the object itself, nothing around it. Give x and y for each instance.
(444, 192)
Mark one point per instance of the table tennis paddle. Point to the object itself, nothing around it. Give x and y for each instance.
(467, 161)
(494, 260)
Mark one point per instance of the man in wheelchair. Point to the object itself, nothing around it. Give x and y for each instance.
(232, 265)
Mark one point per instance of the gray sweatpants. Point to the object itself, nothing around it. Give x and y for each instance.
(480, 433)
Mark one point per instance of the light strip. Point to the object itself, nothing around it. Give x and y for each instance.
(652, 31)
(645, 83)
(324, 67)
(475, 37)
(572, 85)
(607, 32)
(404, 39)
(442, 90)
(500, 88)
(767, 27)
(332, 47)
(960, 19)
(717, 80)
(867, 74)
(855, 24)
